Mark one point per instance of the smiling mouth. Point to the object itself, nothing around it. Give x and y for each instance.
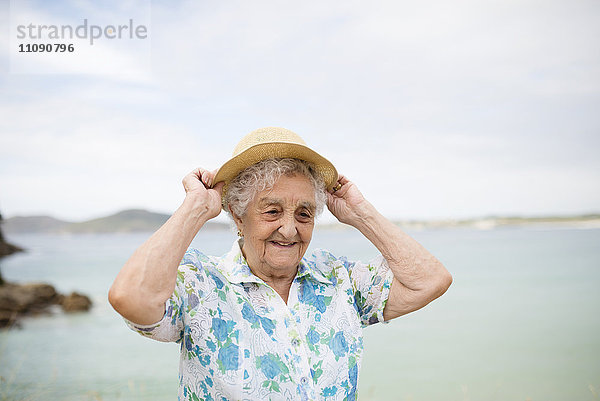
(283, 244)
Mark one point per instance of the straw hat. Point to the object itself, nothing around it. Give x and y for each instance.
(273, 142)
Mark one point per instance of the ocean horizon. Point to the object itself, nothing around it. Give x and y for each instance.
(519, 322)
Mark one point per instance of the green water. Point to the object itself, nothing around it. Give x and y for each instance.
(520, 322)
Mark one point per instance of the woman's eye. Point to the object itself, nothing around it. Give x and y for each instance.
(272, 212)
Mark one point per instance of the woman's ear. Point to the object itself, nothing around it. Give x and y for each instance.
(237, 220)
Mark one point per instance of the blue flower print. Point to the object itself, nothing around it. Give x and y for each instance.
(329, 391)
(249, 314)
(353, 376)
(188, 342)
(308, 296)
(312, 336)
(320, 303)
(228, 358)
(223, 329)
(359, 301)
(204, 360)
(193, 300)
(169, 311)
(219, 327)
(267, 325)
(189, 258)
(338, 344)
(269, 366)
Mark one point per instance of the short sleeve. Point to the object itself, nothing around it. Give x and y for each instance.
(170, 327)
(371, 284)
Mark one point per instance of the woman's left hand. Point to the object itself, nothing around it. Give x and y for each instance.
(419, 277)
(347, 204)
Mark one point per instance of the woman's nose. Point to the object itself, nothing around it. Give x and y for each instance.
(288, 227)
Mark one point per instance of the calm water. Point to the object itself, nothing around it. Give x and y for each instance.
(520, 322)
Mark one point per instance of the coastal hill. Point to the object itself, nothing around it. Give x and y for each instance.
(133, 220)
(33, 224)
(137, 220)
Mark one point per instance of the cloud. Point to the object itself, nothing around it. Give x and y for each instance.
(434, 108)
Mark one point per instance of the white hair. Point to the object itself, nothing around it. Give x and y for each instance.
(263, 175)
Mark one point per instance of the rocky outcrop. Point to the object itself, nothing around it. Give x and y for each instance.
(6, 248)
(20, 299)
(75, 302)
(17, 300)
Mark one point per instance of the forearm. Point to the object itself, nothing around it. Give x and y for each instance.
(148, 278)
(413, 266)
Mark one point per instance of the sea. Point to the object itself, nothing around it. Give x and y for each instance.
(520, 322)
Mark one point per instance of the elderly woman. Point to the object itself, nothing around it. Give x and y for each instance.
(265, 321)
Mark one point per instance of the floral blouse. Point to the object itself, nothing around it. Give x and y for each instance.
(240, 341)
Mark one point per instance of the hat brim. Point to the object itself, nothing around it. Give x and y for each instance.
(263, 151)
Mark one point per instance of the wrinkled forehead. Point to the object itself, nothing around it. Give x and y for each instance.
(295, 202)
(289, 191)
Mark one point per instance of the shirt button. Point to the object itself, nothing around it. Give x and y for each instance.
(304, 380)
(295, 342)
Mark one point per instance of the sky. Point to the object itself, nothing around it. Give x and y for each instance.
(435, 109)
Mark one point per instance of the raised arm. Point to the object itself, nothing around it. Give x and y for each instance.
(148, 278)
(419, 277)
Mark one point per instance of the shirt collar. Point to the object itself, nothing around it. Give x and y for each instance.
(235, 268)
(306, 268)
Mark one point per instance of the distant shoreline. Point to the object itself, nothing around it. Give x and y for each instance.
(138, 220)
(488, 223)
(586, 221)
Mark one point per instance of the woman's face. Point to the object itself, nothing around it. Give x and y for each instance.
(278, 225)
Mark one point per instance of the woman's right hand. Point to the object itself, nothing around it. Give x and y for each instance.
(198, 186)
(148, 278)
